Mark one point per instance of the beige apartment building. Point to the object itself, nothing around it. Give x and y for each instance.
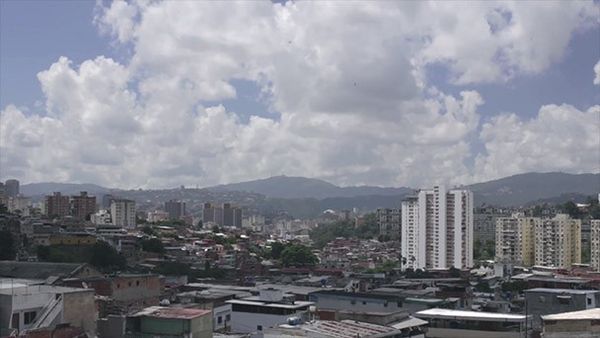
(558, 241)
(515, 239)
(595, 244)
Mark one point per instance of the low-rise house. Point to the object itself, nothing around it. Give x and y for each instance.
(543, 301)
(33, 307)
(269, 309)
(343, 329)
(122, 293)
(446, 323)
(158, 321)
(580, 324)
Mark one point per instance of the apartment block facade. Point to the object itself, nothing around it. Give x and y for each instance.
(558, 241)
(57, 205)
(83, 206)
(515, 239)
(437, 232)
(595, 244)
(389, 222)
(122, 212)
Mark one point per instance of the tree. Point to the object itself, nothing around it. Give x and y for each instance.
(571, 208)
(105, 257)
(8, 250)
(148, 230)
(276, 250)
(298, 255)
(153, 245)
(200, 224)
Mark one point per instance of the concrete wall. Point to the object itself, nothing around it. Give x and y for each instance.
(571, 328)
(354, 303)
(221, 311)
(79, 310)
(455, 333)
(133, 288)
(244, 322)
(540, 303)
(202, 327)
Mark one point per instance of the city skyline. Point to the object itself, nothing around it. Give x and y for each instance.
(396, 100)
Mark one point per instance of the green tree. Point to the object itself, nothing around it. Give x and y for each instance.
(8, 250)
(298, 255)
(571, 208)
(153, 245)
(105, 257)
(276, 250)
(148, 230)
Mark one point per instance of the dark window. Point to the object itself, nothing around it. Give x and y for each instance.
(137, 283)
(353, 302)
(259, 327)
(589, 301)
(29, 317)
(129, 283)
(219, 320)
(364, 302)
(118, 285)
(15, 321)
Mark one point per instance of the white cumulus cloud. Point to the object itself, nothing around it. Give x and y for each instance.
(348, 82)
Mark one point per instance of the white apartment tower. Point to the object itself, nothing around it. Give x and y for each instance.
(515, 237)
(437, 229)
(558, 241)
(122, 212)
(595, 244)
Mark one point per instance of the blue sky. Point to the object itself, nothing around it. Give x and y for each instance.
(310, 110)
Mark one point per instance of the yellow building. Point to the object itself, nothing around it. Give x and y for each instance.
(595, 244)
(558, 242)
(72, 239)
(515, 239)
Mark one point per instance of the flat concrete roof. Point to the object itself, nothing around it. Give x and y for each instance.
(296, 304)
(469, 315)
(571, 291)
(37, 289)
(588, 314)
(171, 312)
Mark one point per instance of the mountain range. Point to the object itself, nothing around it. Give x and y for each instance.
(304, 197)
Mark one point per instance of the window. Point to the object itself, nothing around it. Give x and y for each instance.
(219, 320)
(589, 301)
(129, 284)
(259, 327)
(137, 283)
(364, 302)
(118, 285)
(29, 317)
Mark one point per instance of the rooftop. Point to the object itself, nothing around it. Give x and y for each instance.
(37, 270)
(571, 291)
(296, 305)
(588, 314)
(344, 328)
(37, 289)
(469, 315)
(171, 312)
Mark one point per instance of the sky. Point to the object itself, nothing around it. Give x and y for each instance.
(155, 94)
